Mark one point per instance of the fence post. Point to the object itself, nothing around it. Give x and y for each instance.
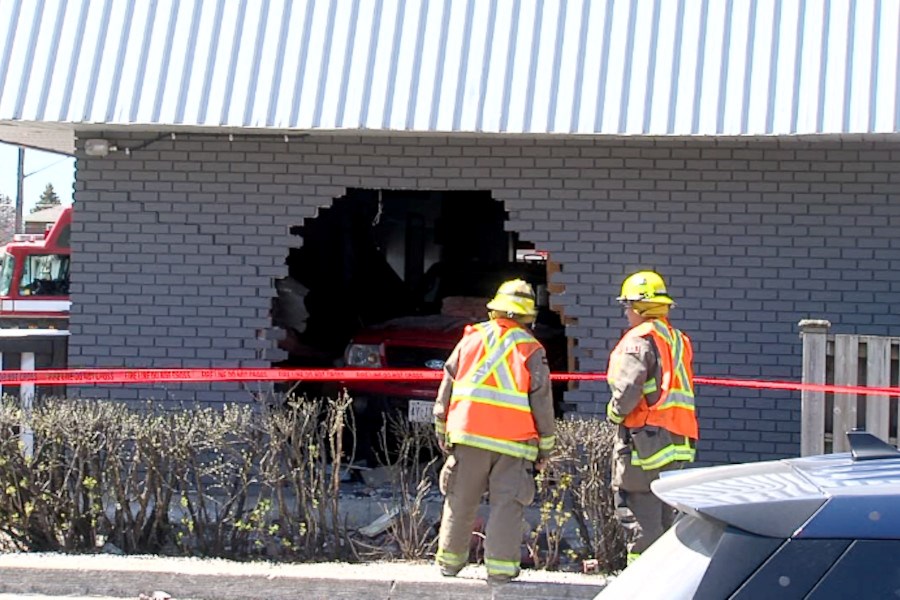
(26, 397)
(814, 334)
(878, 374)
(846, 368)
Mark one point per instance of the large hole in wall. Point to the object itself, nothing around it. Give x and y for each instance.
(394, 276)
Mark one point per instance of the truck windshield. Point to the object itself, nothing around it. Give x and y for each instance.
(45, 275)
(6, 273)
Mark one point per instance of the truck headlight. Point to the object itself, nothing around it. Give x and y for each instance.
(364, 355)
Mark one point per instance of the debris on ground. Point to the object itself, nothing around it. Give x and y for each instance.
(157, 595)
(380, 476)
(381, 524)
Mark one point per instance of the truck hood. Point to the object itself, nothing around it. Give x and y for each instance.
(422, 330)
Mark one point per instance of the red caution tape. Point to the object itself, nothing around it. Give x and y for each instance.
(111, 376)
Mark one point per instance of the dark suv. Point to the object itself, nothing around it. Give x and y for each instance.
(821, 527)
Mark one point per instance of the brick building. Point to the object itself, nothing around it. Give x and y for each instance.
(759, 174)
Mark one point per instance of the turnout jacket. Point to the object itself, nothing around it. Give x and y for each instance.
(496, 394)
(650, 376)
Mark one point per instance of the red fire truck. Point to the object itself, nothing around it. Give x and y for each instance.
(34, 278)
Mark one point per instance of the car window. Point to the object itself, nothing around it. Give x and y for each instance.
(739, 554)
(45, 275)
(793, 570)
(6, 274)
(868, 569)
(673, 566)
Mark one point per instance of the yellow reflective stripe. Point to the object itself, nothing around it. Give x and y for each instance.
(547, 442)
(501, 567)
(487, 341)
(684, 395)
(649, 386)
(507, 447)
(495, 350)
(671, 453)
(677, 399)
(450, 559)
(612, 415)
(499, 403)
(499, 358)
(677, 349)
(685, 380)
(505, 367)
(661, 327)
(487, 392)
(504, 375)
(662, 330)
(501, 369)
(678, 360)
(440, 427)
(685, 405)
(490, 391)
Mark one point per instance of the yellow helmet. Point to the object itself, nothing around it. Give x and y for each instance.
(515, 296)
(645, 287)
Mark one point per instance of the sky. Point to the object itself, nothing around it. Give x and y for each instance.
(41, 168)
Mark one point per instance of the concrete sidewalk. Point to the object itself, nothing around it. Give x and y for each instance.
(187, 578)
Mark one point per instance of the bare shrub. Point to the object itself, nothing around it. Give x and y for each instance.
(143, 463)
(544, 541)
(215, 480)
(262, 480)
(409, 453)
(301, 470)
(582, 467)
(233, 481)
(413, 530)
(53, 499)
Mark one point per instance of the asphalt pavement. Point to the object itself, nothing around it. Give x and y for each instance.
(102, 576)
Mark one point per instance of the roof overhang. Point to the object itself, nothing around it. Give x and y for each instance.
(62, 137)
(54, 137)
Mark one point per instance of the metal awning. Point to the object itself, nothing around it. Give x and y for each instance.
(608, 67)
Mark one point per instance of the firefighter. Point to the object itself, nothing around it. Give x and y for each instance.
(494, 421)
(650, 376)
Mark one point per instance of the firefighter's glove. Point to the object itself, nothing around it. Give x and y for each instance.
(612, 415)
(541, 464)
(440, 430)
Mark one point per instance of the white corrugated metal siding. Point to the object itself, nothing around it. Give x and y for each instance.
(523, 66)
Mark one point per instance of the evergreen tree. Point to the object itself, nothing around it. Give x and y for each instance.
(49, 199)
(7, 219)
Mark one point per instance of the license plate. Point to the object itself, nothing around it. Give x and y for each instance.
(420, 411)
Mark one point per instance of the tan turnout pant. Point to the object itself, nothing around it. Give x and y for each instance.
(467, 473)
(644, 516)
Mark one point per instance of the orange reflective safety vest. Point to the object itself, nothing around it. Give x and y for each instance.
(489, 406)
(674, 410)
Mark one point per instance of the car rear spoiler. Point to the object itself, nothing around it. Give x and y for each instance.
(865, 446)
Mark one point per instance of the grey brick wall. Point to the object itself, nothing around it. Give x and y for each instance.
(177, 244)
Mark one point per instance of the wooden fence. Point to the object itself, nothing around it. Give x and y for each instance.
(844, 359)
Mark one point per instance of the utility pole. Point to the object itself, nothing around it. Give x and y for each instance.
(20, 190)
